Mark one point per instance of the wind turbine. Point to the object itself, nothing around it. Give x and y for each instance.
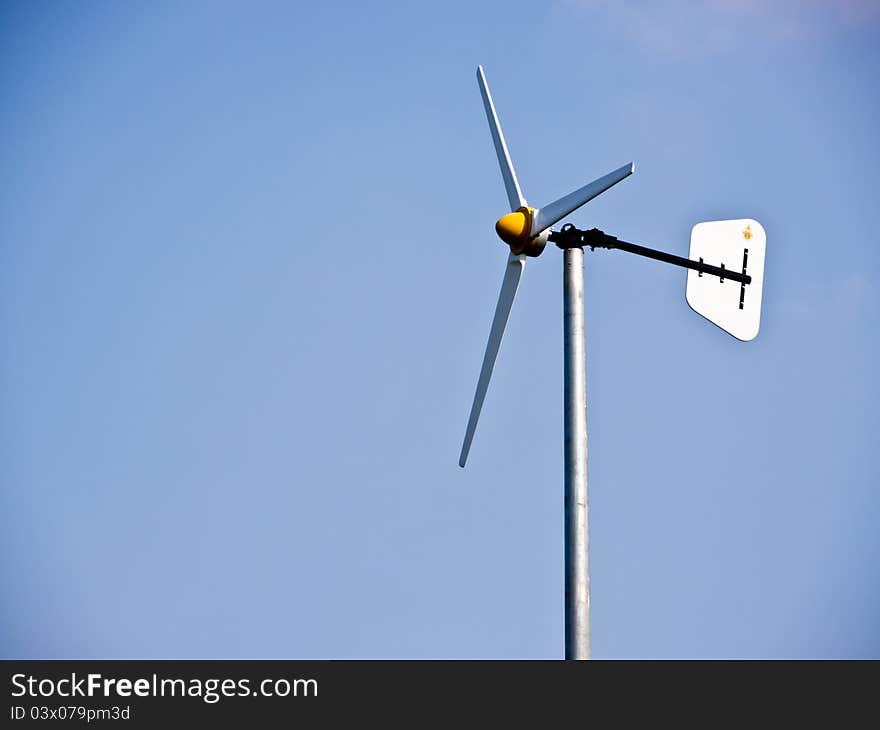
(720, 296)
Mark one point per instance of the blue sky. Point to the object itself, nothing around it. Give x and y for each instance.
(248, 271)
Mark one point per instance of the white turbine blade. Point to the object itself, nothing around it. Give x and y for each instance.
(512, 274)
(557, 210)
(514, 194)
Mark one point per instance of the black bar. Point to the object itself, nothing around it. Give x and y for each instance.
(669, 258)
(742, 288)
(594, 238)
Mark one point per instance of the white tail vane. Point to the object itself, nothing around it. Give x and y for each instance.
(512, 274)
(737, 245)
(556, 211)
(511, 184)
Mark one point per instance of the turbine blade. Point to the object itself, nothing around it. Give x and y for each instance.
(512, 274)
(557, 210)
(514, 194)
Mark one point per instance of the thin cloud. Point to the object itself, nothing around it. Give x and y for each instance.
(692, 27)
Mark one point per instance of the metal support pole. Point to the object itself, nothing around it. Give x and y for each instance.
(577, 556)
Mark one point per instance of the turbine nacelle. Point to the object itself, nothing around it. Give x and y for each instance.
(515, 229)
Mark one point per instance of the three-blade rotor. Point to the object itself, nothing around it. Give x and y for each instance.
(540, 221)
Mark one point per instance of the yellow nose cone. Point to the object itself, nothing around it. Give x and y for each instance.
(512, 228)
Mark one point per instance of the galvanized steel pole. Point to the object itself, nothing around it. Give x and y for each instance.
(577, 555)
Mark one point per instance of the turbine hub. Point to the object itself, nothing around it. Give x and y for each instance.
(515, 230)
